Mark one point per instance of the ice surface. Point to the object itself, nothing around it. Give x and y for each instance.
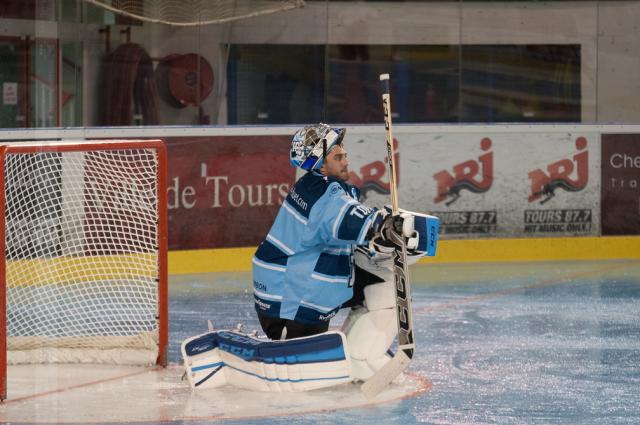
(534, 343)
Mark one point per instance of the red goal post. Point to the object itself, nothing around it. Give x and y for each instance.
(83, 236)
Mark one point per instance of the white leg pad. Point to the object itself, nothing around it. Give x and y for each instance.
(370, 331)
(223, 357)
(354, 314)
(369, 339)
(380, 296)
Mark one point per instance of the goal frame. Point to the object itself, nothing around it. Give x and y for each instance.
(162, 233)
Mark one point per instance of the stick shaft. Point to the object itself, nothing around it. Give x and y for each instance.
(400, 361)
(386, 105)
(400, 269)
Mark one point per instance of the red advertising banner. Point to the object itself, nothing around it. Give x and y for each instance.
(620, 184)
(225, 191)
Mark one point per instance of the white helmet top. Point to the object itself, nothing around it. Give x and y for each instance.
(311, 144)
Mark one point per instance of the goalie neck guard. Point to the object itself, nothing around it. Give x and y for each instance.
(311, 144)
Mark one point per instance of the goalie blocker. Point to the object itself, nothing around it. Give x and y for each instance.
(332, 358)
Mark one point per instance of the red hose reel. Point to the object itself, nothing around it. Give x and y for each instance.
(184, 79)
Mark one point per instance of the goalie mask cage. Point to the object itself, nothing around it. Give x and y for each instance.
(84, 245)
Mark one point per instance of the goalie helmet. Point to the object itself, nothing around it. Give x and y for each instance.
(311, 144)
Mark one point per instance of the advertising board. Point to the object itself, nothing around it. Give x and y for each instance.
(225, 191)
(489, 185)
(620, 184)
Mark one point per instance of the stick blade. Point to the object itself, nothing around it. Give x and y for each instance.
(383, 377)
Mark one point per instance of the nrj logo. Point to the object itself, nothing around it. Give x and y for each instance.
(558, 175)
(369, 179)
(473, 175)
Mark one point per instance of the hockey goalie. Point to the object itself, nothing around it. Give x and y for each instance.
(325, 251)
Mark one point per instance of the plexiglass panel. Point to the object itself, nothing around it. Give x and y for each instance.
(73, 63)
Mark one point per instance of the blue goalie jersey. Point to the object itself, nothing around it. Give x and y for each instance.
(302, 271)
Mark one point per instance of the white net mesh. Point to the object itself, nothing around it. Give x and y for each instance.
(81, 232)
(195, 12)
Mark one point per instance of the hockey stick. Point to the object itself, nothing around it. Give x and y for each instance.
(401, 359)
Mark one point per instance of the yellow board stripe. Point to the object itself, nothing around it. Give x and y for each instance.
(210, 260)
(65, 270)
(537, 249)
(72, 269)
(449, 251)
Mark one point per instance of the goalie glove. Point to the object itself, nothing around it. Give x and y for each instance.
(419, 230)
(391, 229)
(421, 235)
(395, 227)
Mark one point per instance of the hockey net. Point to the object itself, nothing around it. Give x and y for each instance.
(85, 242)
(195, 12)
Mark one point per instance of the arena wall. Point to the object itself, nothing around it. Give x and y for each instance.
(503, 193)
(606, 31)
